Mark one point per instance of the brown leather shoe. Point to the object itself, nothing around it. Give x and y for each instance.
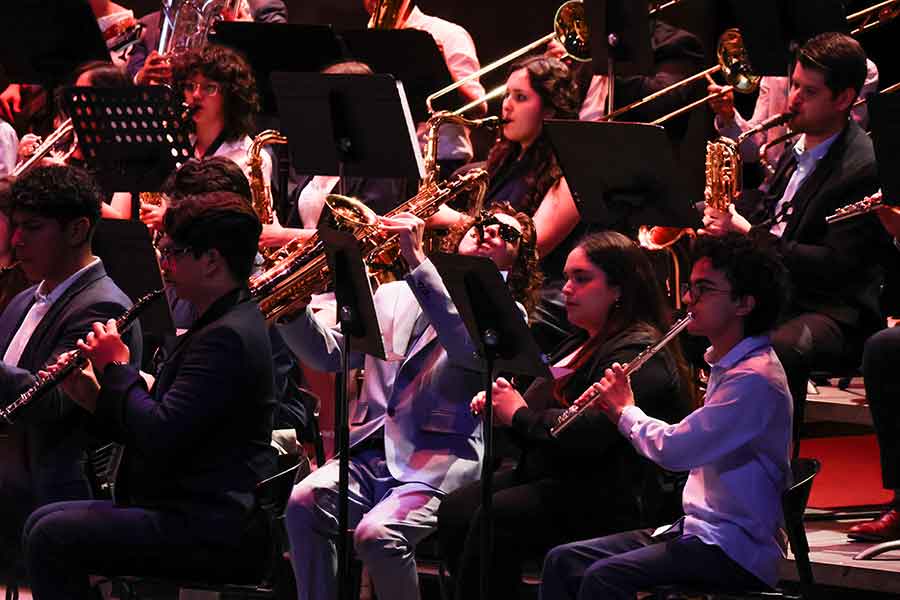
(880, 530)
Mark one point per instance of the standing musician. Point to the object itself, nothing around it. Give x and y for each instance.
(834, 269)
(413, 438)
(524, 172)
(196, 441)
(54, 211)
(458, 49)
(612, 296)
(737, 447)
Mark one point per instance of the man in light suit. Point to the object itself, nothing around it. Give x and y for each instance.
(413, 438)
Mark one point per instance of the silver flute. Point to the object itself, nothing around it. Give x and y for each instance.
(588, 399)
(863, 207)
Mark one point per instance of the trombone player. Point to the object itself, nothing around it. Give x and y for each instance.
(834, 268)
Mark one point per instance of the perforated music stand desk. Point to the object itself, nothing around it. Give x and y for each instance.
(348, 125)
(285, 47)
(622, 175)
(392, 51)
(133, 138)
(43, 41)
(884, 116)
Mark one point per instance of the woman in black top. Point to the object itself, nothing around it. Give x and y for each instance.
(589, 479)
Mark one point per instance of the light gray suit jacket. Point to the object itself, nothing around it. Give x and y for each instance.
(420, 395)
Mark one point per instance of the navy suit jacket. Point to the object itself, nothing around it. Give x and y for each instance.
(198, 442)
(55, 432)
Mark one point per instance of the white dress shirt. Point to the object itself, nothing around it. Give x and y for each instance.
(594, 105)
(35, 314)
(312, 199)
(773, 100)
(458, 49)
(737, 448)
(9, 147)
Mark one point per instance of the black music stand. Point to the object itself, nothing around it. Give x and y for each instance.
(884, 115)
(130, 260)
(505, 344)
(348, 125)
(622, 175)
(389, 51)
(44, 41)
(133, 138)
(271, 47)
(361, 333)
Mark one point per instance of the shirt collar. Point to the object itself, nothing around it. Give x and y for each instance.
(816, 153)
(41, 297)
(742, 349)
(416, 17)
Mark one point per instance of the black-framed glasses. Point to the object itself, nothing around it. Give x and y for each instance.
(697, 290)
(208, 89)
(170, 253)
(507, 232)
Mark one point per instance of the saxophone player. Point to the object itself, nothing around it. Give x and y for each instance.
(834, 268)
(413, 439)
(736, 446)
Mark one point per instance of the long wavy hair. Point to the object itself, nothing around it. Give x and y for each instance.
(641, 304)
(525, 276)
(233, 73)
(552, 80)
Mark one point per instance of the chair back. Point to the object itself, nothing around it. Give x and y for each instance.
(794, 501)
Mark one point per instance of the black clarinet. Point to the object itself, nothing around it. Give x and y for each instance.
(75, 360)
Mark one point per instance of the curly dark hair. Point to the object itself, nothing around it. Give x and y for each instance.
(553, 82)
(212, 174)
(752, 271)
(221, 220)
(63, 193)
(525, 277)
(231, 70)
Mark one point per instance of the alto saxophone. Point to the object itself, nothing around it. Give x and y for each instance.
(260, 189)
(284, 289)
(590, 396)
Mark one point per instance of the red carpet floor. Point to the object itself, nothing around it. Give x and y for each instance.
(851, 471)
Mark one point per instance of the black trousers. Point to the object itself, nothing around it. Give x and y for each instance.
(618, 566)
(529, 518)
(880, 357)
(806, 342)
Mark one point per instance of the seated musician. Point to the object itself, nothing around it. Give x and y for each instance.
(53, 211)
(413, 438)
(736, 446)
(12, 277)
(612, 296)
(524, 172)
(196, 442)
(835, 269)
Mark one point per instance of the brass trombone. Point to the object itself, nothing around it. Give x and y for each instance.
(570, 28)
(875, 15)
(733, 63)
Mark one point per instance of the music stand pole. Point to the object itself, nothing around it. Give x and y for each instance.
(491, 342)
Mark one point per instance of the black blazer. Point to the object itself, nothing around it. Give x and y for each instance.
(264, 11)
(55, 432)
(835, 269)
(199, 441)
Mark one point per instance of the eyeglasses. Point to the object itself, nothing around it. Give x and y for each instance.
(170, 253)
(507, 232)
(208, 89)
(697, 290)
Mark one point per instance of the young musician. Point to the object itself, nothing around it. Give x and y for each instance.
(612, 296)
(196, 441)
(53, 212)
(736, 446)
(12, 278)
(835, 269)
(413, 438)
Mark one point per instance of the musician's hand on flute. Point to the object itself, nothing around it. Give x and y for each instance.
(506, 401)
(103, 345)
(80, 385)
(615, 392)
(890, 219)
